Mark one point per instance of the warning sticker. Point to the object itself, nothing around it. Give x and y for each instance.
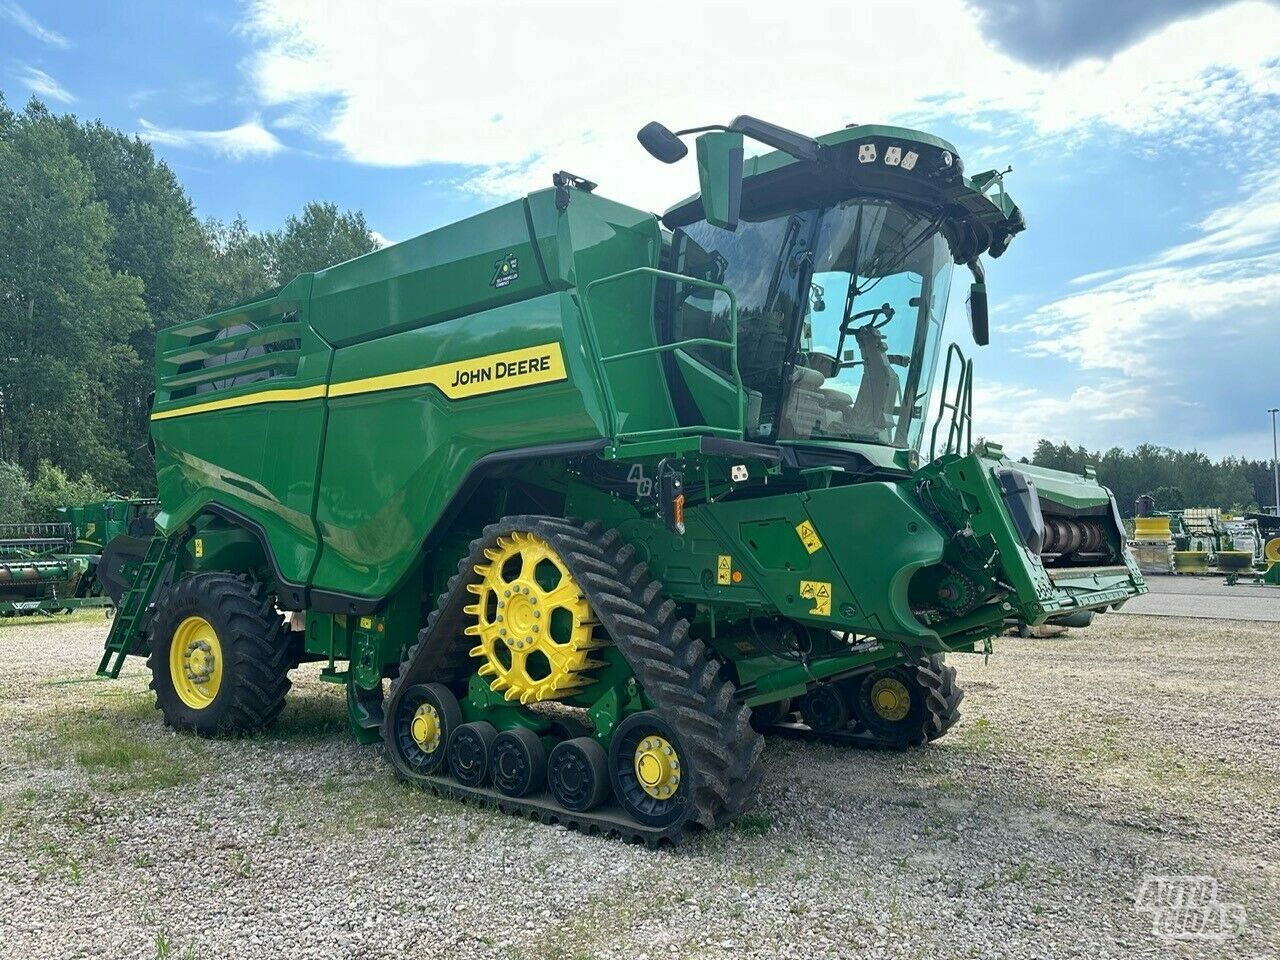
(820, 593)
(724, 570)
(809, 537)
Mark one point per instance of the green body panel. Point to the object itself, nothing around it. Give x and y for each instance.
(343, 440)
(94, 525)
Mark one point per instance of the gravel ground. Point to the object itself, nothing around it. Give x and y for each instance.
(1140, 746)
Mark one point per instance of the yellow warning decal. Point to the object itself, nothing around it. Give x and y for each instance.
(819, 591)
(199, 547)
(471, 378)
(809, 537)
(366, 623)
(724, 570)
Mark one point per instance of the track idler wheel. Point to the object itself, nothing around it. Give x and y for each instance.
(825, 708)
(426, 716)
(652, 772)
(578, 774)
(519, 762)
(910, 704)
(470, 751)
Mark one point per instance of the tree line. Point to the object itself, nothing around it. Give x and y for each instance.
(100, 247)
(1174, 478)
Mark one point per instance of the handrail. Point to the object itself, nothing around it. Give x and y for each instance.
(960, 429)
(731, 345)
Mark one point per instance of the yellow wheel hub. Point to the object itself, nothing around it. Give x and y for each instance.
(195, 662)
(426, 728)
(657, 767)
(890, 698)
(532, 625)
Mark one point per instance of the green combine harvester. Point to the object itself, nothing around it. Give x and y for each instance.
(574, 500)
(50, 568)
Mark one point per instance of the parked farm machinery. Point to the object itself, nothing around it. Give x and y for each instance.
(49, 568)
(573, 500)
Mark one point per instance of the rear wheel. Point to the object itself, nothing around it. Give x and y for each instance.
(770, 714)
(219, 660)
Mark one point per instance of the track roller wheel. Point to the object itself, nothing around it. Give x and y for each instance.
(578, 774)
(469, 751)
(825, 708)
(651, 770)
(767, 715)
(425, 718)
(519, 762)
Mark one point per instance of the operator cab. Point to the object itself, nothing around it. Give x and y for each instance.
(841, 271)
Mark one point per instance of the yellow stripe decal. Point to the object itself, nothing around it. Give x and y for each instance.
(457, 379)
(470, 378)
(249, 399)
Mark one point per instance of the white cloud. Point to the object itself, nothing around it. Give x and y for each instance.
(381, 239)
(401, 82)
(250, 138)
(25, 21)
(43, 85)
(1167, 354)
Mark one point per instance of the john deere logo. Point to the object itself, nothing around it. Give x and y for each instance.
(505, 271)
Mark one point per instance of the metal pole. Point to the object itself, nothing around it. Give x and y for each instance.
(1275, 457)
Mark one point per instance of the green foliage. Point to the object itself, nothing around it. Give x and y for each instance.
(53, 489)
(1175, 478)
(100, 247)
(1170, 498)
(65, 316)
(240, 263)
(319, 238)
(14, 493)
(246, 265)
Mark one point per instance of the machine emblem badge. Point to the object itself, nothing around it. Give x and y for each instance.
(506, 271)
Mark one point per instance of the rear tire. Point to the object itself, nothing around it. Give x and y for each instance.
(230, 673)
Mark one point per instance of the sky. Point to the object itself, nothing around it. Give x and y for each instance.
(1142, 304)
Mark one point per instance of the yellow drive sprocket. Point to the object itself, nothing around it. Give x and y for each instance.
(534, 628)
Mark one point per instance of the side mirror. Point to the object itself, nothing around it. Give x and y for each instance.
(661, 143)
(720, 177)
(978, 322)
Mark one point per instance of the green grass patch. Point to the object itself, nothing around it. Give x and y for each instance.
(92, 615)
(753, 824)
(119, 744)
(309, 716)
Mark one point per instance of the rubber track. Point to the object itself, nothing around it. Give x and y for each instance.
(673, 669)
(257, 643)
(943, 712)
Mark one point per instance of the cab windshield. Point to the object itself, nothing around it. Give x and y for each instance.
(840, 312)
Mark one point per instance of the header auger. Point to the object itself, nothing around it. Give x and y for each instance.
(575, 501)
